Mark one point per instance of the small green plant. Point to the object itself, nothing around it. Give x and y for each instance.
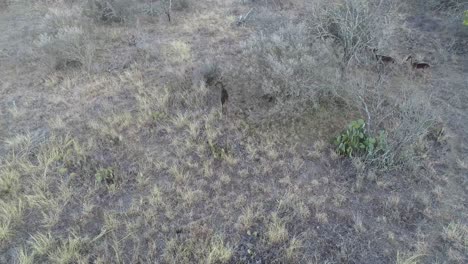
(355, 140)
(105, 174)
(217, 151)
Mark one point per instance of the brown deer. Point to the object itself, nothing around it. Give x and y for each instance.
(417, 64)
(382, 58)
(224, 97)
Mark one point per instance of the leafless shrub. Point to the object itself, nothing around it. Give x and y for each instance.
(402, 114)
(353, 25)
(411, 122)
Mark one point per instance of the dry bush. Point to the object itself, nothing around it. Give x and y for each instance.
(110, 11)
(439, 5)
(65, 39)
(406, 129)
(286, 69)
(352, 25)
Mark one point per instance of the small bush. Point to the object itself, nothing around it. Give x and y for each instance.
(70, 47)
(65, 40)
(356, 141)
(105, 175)
(110, 11)
(209, 72)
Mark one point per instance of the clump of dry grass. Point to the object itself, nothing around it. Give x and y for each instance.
(65, 40)
(110, 11)
(440, 5)
(141, 165)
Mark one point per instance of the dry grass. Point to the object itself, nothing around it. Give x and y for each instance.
(119, 151)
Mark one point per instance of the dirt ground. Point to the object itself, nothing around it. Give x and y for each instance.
(126, 155)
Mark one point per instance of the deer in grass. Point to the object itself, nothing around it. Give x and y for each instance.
(224, 97)
(417, 64)
(382, 58)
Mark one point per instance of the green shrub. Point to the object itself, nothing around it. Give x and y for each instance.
(465, 18)
(105, 175)
(217, 151)
(355, 141)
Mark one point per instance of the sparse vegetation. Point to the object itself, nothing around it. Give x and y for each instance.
(118, 143)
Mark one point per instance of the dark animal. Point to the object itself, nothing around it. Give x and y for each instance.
(224, 96)
(224, 93)
(168, 14)
(417, 64)
(132, 40)
(382, 58)
(268, 97)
